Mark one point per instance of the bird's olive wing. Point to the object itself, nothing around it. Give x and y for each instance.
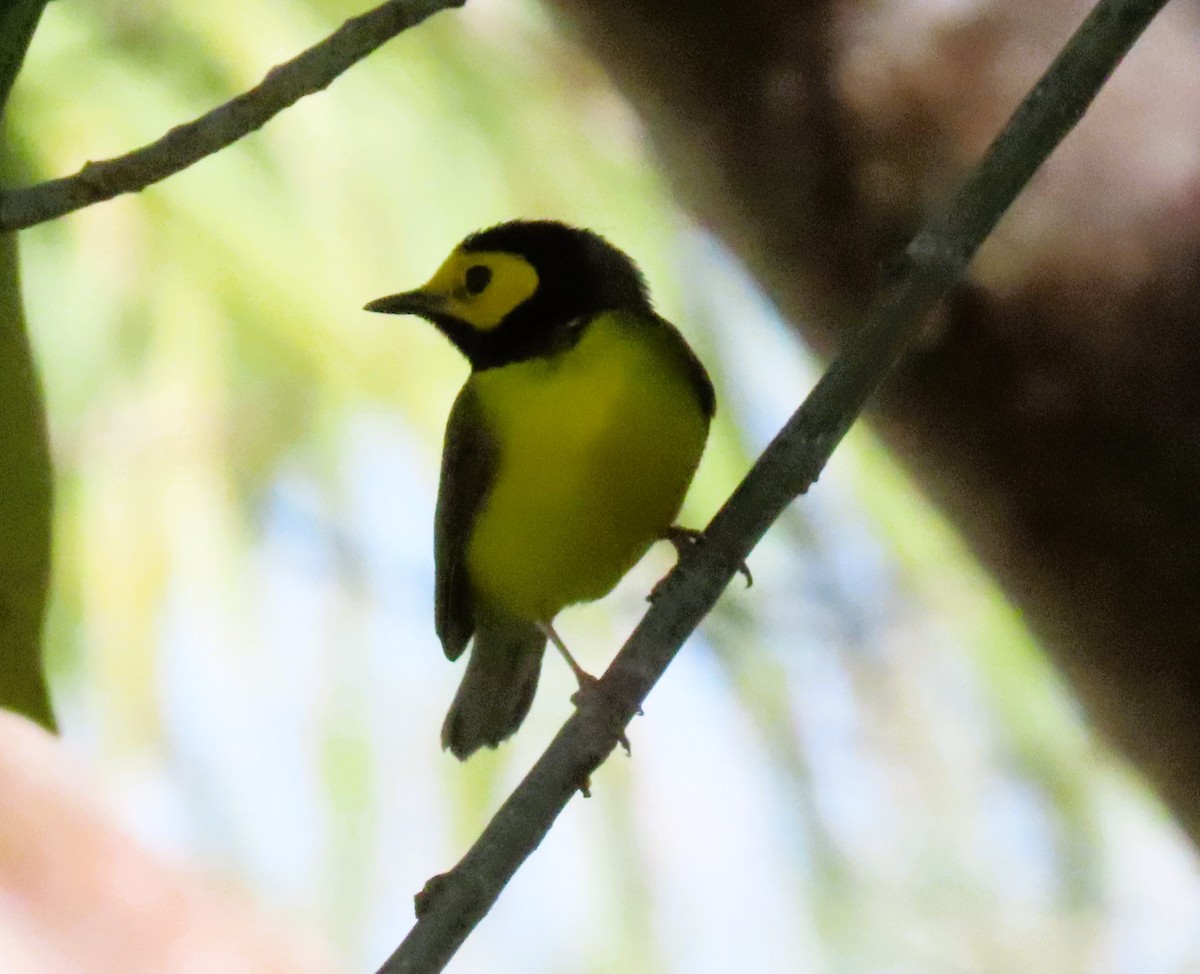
(468, 467)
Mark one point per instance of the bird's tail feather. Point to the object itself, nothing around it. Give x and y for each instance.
(497, 689)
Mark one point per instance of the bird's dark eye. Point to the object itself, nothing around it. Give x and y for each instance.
(477, 278)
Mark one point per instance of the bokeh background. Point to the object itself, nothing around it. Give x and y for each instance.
(861, 764)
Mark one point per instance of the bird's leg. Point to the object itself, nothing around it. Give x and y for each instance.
(582, 676)
(682, 539)
(588, 684)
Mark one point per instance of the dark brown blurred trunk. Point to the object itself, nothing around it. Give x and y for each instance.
(1053, 410)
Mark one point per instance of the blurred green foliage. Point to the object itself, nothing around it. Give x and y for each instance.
(861, 764)
(25, 486)
(25, 502)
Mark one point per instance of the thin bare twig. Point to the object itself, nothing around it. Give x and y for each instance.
(307, 73)
(452, 904)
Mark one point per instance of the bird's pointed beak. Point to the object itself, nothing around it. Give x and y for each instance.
(419, 302)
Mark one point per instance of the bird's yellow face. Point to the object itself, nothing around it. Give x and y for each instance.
(482, 288)
(478, 288)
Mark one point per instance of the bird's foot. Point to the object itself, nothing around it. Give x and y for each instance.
(589, 690)
(682, 540)
(591, 694)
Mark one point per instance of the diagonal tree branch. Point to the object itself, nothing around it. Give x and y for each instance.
(453, 903)
(307, 73)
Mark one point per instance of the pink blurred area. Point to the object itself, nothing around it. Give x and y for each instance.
(79, 895)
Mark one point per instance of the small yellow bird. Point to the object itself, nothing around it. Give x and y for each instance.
(568, 451)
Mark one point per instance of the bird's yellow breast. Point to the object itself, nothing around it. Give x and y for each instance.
(595, 451)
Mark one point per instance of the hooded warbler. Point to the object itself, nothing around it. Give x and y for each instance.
(567, 453)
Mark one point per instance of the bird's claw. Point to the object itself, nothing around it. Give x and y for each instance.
(682, 539)
(589, 687)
